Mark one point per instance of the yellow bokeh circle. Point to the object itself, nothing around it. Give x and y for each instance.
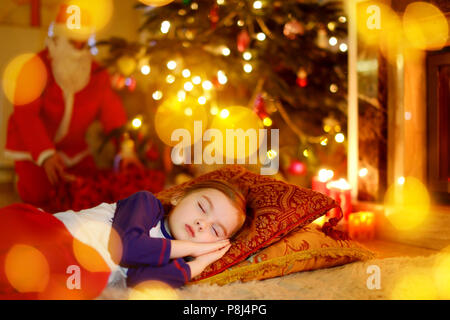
(441, 273)
(425, 26)
(24, 79)
(99, 14)
(153, 290)
(407, 204)
(414, 287)
(174, 115)
(239, 126)
(156, 3)
(27, 269)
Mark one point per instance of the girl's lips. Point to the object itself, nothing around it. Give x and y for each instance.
(190, 230)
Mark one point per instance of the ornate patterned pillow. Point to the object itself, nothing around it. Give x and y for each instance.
(274, 208)
(304, 249)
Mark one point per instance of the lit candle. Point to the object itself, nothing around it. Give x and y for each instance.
(340, 191)
(319, 182)
(361, 225)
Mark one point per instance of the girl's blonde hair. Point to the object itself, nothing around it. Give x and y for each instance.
(231, 191)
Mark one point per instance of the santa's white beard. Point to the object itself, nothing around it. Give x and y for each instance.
(71, 67)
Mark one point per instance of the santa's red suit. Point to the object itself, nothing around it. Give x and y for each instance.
(48, 124)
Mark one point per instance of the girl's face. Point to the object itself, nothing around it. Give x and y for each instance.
(205, 215)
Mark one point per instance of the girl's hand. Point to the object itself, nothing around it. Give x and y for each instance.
(184, 248)
(200, 248)
(200, 263)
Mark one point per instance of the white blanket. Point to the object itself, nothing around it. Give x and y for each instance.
(399, 278)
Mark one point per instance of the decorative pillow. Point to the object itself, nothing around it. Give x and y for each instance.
(304, 249)
(274, 208)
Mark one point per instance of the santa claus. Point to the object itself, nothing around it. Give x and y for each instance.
(46, 137)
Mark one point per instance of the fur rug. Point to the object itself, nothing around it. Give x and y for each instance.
(400, 278)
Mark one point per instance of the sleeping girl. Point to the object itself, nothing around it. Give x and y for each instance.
(139, 241)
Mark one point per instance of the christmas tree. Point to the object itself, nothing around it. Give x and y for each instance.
(285, 61)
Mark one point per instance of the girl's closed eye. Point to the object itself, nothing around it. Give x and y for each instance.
(201, 207)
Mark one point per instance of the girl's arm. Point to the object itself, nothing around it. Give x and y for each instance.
(133, 219)
(176, 273)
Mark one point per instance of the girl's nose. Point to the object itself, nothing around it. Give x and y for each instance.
(200, 224)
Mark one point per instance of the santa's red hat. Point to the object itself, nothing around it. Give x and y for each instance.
(73, 22)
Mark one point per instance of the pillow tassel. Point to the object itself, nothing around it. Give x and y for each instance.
(328, 226)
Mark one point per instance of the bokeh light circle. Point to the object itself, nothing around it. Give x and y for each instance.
(27, 269)
(24, 79)
(407, 204)
(243, 121)
(99, 14)
(425, 26)
(153, 290)
(172, 115)
(441, 273)
(414, 287)
(156, 3)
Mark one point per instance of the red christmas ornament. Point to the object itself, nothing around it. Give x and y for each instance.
(243, 40)
(214, 16)
(297, 168)
(260, 107)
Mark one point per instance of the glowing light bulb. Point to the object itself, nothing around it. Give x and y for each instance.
(342, 19)
(196, 80)
(136, 123)
(224, 113)
(202, 100)
(247, 55)
(186, 73)
(325, 175)
(170, 78)
(261, 36)
(333, 88)
(363, 172)
(343, 47)
(339, 138)
(221, 77)
(267, 121)
(333, 41)
(145, 69)
(226, 51)
(220, 2)
(188, 86)
(207, 85)
(165, 26)
(188, 112)
(257, 5)
(214, 110)
(157, 95)
(181, 95)
(306, 153)
(171, 65)
(248, 67)
(401, 180)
